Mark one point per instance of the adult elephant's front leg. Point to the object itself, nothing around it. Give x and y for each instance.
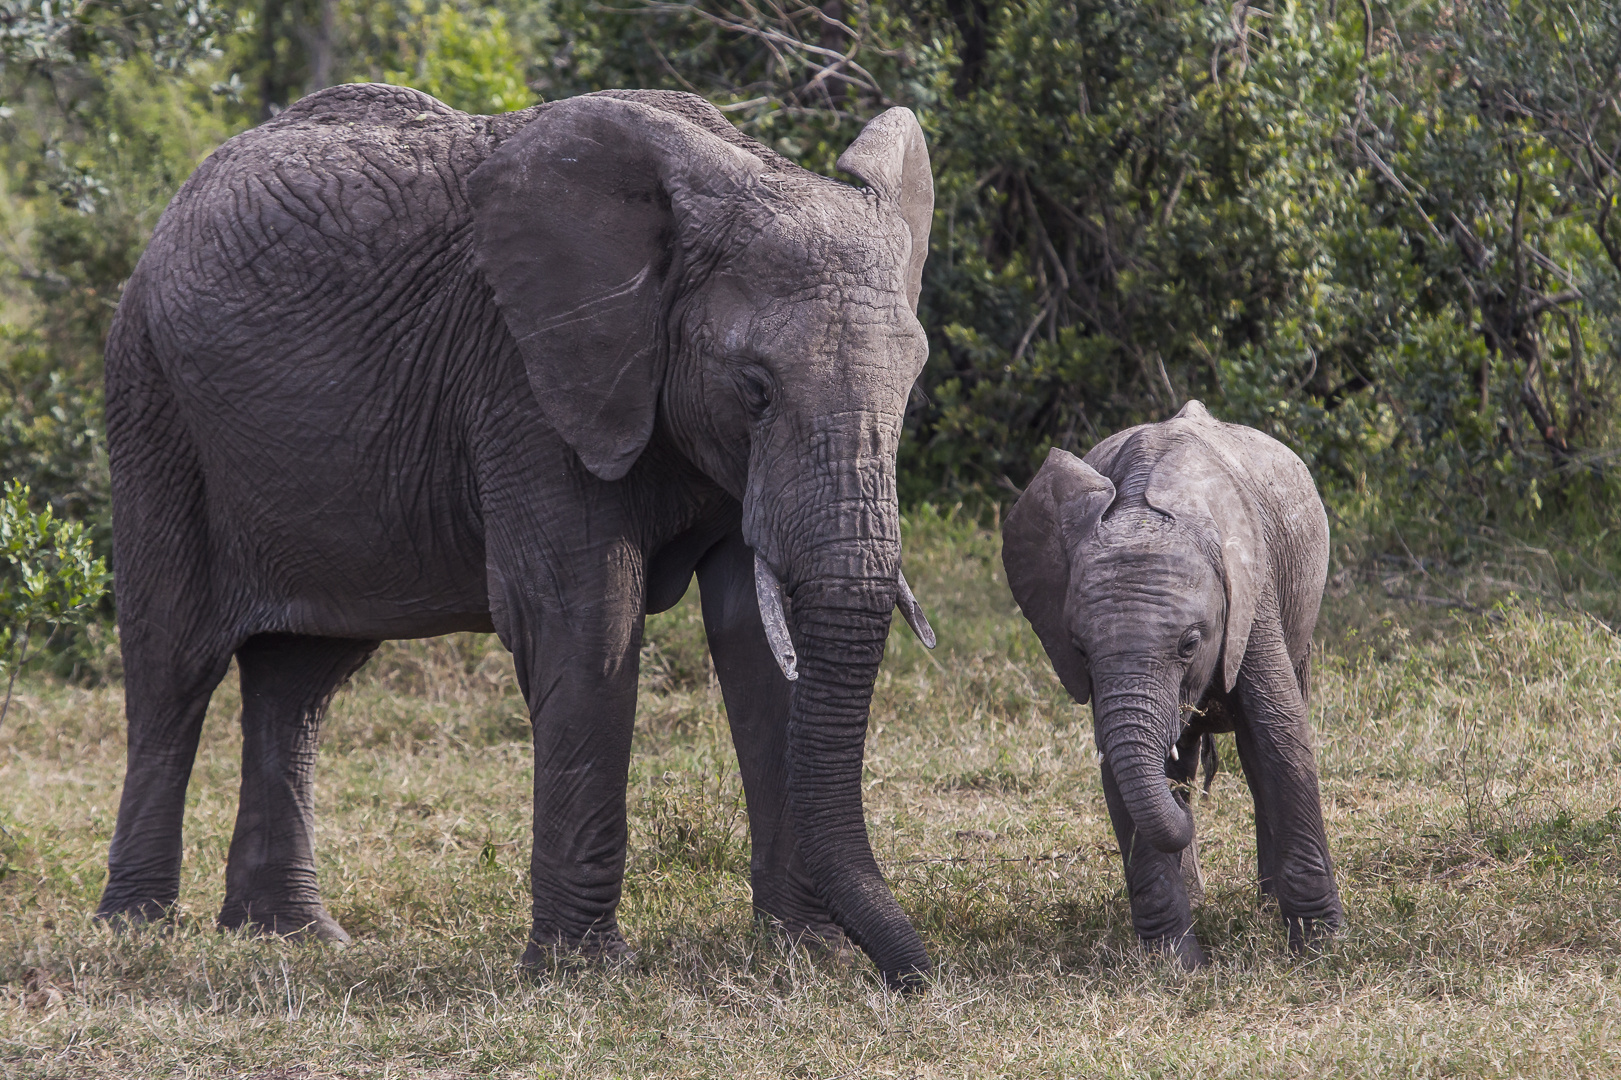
(577, 667)
(757, 709)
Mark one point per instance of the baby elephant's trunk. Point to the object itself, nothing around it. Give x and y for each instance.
(1133, 732)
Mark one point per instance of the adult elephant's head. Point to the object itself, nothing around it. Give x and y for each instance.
(1141, 598)
(658, 269)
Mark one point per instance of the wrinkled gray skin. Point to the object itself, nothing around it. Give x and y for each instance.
(1174, 578)
(389, 370)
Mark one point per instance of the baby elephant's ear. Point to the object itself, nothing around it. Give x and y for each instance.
(1061, 506)
(1243, 574)
(1204, 486)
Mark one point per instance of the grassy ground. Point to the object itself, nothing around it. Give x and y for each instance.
(1469, 766)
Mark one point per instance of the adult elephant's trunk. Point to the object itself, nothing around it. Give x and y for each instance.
(841, 626)
(1134, 732)
(842, 587)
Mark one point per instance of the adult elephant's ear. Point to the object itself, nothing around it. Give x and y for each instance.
(575, 221)
(1061, 506)
(891, 157)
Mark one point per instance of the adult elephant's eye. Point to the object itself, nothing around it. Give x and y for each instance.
(756, 388)
(1189, 643)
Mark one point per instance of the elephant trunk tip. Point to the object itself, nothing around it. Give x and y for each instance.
(1177, 835)
(911, 979)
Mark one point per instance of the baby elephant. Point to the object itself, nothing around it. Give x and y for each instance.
(1174, 577)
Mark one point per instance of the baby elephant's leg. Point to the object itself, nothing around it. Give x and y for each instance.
(1275, 746)
(1160, 912)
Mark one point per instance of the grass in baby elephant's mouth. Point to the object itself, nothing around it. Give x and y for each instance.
(1467, 764)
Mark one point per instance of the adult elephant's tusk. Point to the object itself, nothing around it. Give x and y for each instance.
(912, 611)
(768, 592)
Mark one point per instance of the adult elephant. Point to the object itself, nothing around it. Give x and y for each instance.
(390, 370)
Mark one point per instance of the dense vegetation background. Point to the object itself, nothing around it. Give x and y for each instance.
(1385, 234)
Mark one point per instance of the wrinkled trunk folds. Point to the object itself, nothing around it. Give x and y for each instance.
(1133, 733)
(842, 600)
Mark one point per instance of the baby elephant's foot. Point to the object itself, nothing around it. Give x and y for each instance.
(1183, 948)
(294, 922)
(1310, 935)
(550, 950)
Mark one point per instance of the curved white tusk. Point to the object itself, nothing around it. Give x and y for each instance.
(912, 611)
(1174, 755)
(768, 592)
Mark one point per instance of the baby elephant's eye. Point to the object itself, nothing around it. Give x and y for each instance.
(1189, 643)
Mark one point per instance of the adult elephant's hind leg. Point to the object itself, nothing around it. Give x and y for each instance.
(174, 632)
(287, 681)
(756, 696)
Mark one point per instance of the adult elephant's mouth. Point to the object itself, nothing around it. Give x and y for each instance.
(768, 590)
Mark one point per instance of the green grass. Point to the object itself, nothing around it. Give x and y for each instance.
(1469, 780)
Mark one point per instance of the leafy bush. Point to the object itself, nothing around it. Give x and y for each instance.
(49, 579)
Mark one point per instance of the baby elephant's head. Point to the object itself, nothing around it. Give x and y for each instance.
(1141, 596)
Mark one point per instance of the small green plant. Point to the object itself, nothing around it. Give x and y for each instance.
(49, 578)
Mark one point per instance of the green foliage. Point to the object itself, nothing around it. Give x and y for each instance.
(465, 59)
(51, 432)
(1138, 208)
(49, 578)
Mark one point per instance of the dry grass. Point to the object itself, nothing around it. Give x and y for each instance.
(1469, 779)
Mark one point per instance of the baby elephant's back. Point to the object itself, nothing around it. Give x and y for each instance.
(1271, 474)
(1274, 479)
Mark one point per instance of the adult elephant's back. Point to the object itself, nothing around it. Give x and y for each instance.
(309, 304)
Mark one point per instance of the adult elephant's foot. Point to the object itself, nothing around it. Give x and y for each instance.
(132, 913)
(1183, 949)
(294, 922)
(549, 950)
